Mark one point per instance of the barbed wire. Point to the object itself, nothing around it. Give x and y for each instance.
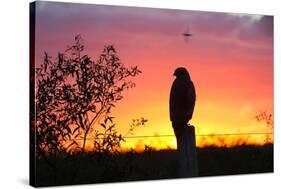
(198, 135)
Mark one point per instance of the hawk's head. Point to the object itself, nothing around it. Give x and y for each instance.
(182, 72)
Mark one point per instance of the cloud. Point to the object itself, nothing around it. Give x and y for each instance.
(140, 29)
(259, 32)
(242, 29)
(150, 21)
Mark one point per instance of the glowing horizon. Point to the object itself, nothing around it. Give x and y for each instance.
(229, 58)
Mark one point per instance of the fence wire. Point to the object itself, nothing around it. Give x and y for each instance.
(198, 135)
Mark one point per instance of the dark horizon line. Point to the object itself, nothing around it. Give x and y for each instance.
(199, 135)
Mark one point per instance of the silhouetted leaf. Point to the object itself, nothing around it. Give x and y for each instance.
(76, 129)
(103, 125)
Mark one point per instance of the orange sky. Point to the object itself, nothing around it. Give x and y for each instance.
(229, 57)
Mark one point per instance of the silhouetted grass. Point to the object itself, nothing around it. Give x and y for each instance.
(133, 166)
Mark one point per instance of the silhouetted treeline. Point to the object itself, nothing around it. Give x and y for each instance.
(132, 166)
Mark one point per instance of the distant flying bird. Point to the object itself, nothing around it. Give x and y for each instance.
(187, 34)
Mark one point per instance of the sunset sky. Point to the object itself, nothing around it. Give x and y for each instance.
(229, 58)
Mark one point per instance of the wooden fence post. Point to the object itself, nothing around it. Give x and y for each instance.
(187, 153)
